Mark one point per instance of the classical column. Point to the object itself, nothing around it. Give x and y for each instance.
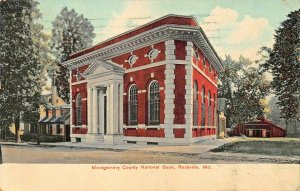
(89, 109)
(113, 113)
(120, 92)
(101, 110)
(95, 110)
(108, 109)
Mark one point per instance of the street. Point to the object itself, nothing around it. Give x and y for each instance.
(64, 155)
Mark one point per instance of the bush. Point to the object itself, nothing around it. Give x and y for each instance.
(32, 137)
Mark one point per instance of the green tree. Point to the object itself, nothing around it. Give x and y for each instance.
(71, 33)
(247, 103)
(284, 64)
(274, 114)
(244, 88)
(20, 59)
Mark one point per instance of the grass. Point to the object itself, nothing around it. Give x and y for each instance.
(264, 146)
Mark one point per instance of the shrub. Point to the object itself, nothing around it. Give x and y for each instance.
(33, 137)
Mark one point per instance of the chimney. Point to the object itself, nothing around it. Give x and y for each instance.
(54, 95)
(53, 88)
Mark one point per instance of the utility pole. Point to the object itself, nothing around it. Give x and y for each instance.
(5, 132)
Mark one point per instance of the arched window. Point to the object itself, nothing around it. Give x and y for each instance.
(195, 101)
(78, 110)
(153, 103)
(209, 108)
(132, 105)
(203, 107)
(214, 110)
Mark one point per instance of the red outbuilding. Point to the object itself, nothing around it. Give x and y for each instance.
(261, 128)
(156, 84)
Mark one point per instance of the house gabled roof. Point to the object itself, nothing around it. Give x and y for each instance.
(263, 122)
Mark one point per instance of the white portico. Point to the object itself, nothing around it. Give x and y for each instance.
(104, 102)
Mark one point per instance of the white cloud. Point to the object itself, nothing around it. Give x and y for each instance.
(248, 29)
(235, 35)
(122, 21)
(223, 16)
(218, 18)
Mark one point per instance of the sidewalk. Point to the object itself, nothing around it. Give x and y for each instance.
(196, 148)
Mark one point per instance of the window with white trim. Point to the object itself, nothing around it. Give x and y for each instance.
(203, 107)
(153, 103)
(209, 108)
(214, 110)
(132, 105)
(195, 103)
(79, 110)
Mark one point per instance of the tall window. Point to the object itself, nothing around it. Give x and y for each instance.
(209, 108)
(153, 103)
(203, 107)
(78, 110)
(214, 110)
(132, 103)
(195, 101)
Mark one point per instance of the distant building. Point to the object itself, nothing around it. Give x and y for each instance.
(55, 118)
(261, 128)
(56, 121)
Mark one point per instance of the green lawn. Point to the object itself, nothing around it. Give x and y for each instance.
(265, 146)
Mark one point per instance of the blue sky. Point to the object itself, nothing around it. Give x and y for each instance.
(234, 27)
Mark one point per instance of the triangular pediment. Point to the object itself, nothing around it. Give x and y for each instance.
(101, 67)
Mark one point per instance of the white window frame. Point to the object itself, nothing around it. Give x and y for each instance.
(195, 103)
(78, 110)
(157, 121)
(130, 122)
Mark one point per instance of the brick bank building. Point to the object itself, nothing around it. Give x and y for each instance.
(156, 84)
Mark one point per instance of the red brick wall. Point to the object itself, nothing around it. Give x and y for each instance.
(82, 89)
(179, 133)
(199, 62)
(81, 70)
(202, 81)
(140, 53)
(198, 132)
(179, 101)
(142, 79)
(180, 51)
(144, 132)
(79, 130)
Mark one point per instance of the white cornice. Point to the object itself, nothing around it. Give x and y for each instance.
(142, 26)
(159, 34)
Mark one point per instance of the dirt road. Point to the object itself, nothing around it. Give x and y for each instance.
(61, 155)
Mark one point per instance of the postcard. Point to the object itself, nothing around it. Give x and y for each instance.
(149, 95)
